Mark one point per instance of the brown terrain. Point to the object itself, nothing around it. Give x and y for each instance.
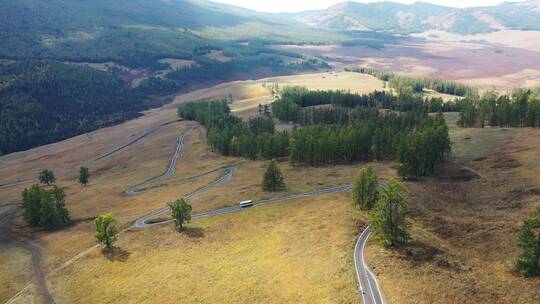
(492, 61)
(465, 224)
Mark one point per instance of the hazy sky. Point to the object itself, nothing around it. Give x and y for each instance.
(275, 6)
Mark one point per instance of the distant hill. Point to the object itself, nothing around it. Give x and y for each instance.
(136, 33)
(417, 17)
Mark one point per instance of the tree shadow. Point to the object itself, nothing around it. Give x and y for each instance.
(193, 232)
(116, 254)
(418, 252)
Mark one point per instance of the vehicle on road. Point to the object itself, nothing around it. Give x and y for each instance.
(246, 204)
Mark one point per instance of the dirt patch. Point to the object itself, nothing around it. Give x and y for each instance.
(454, 173)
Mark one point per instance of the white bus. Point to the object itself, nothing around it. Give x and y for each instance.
(246, 204)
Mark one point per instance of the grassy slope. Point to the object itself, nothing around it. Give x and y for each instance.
(465, 231)
(277, 254)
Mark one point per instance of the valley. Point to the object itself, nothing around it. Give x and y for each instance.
(364, 153)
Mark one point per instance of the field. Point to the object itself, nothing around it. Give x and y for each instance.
(491, 61)
(276, 254)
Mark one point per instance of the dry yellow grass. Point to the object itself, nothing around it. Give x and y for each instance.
(294, 252)
(111, 177)
(13, 263)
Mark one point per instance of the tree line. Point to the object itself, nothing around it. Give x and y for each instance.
(519, 109)
(299, 105)
(229, 135)
(417, 84)
(420, 142)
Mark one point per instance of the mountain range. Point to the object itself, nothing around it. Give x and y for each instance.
(420, 16)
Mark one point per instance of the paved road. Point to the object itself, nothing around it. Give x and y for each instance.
(91, 161)
(367, 282)
(171, 167)
(143, 221)
(369, 287)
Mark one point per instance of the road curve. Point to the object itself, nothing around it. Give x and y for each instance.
(91, 161)
(142, 222)
(171, 167)
(367, 282)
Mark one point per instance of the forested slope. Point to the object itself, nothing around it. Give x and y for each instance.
(43, 102)
(135, 33)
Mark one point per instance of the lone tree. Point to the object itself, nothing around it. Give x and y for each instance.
(181, 212)
(84, 175)
(106, 230)
(365, 189)
(528, 263)
(46, 177)
(389, 218)
(44, 208)
(273, 179)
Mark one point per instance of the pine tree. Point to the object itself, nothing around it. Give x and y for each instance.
(31, 205)
(49, 216)
(389, 218)
(365, 189)
(84, 175)
(273, 179)
(528, 263)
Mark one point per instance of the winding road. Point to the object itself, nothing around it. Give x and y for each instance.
(91, 161)
(369, 287)
(171, 167)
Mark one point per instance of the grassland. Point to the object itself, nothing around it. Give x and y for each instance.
(283, 253)
(110, 177)
(464, 226)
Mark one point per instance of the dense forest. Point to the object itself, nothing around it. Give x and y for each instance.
(242, 61)
(519, 109)
(43, 102)
(229, 135)
(402, 83)
(419, 141)
(298, 105)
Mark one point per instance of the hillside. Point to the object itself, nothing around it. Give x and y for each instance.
(135, 33)
(417, 17)
(135, 45)
(43, 102)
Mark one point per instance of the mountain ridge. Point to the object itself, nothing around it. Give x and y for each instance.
(422, 16)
